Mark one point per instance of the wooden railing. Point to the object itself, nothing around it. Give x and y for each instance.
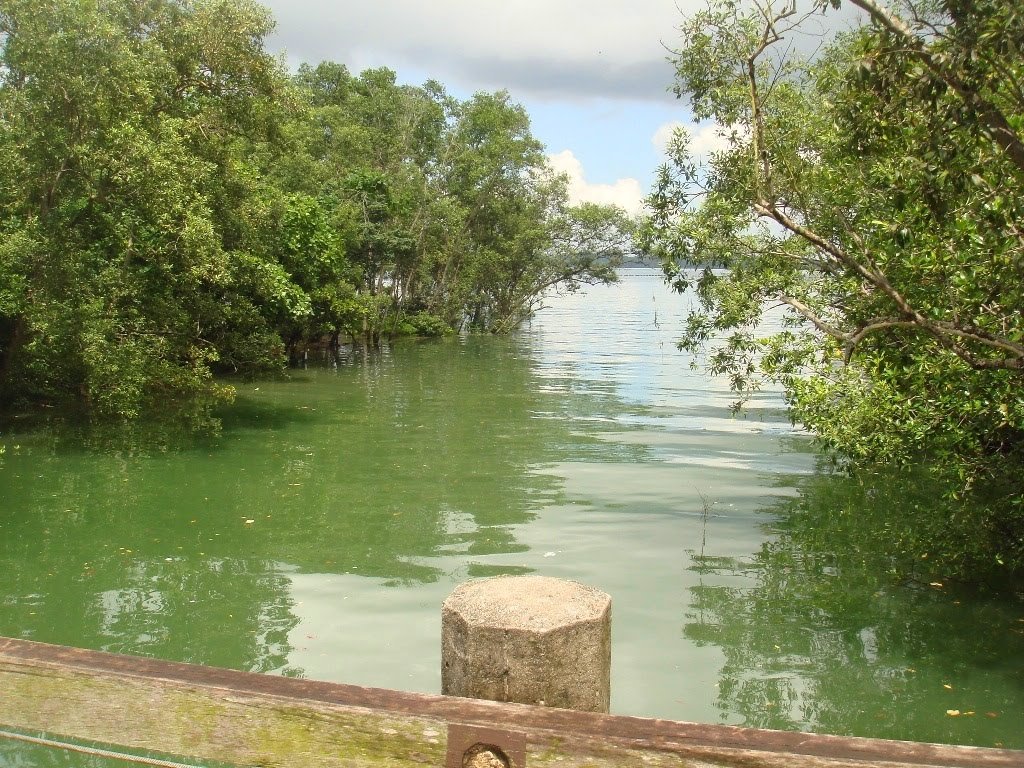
(238, 718)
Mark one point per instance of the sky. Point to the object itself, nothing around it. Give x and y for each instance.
(594, 75)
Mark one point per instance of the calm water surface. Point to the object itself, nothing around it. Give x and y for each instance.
(317, 534)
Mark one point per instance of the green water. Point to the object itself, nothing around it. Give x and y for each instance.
(317, 534)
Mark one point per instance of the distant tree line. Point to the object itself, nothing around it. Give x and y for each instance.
(174, 204)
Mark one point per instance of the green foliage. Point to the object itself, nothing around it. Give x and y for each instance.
(175, 206)
(425, 324)
(445, 212)
(123, 163)
(875, 193)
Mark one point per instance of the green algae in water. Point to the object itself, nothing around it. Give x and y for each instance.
(317, 530)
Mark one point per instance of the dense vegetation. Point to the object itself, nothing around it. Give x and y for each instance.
(875, 191)
(174, 204)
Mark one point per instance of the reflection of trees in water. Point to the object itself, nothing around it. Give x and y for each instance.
(97, 552)
(820, 636)
(152, 538)
(224, 613)
(432, 456)
(219, 612)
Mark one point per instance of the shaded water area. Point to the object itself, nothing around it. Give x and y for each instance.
(318, 532)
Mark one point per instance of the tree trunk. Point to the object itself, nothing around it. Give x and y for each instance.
(13, 335)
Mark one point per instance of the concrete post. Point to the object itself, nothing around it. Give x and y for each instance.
(528, 639)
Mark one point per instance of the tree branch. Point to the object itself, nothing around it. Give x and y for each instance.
(999, 127)
(944, 331)
(814, 318)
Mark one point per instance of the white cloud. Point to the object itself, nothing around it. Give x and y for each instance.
(535, 48)
(628, 194)
(664, 134)
(704, 139)
(569, 49)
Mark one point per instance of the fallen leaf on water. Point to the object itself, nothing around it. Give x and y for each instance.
(947, 686)
(935, 584)
(952, 712)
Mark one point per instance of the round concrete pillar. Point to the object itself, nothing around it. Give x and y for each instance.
(528, 639)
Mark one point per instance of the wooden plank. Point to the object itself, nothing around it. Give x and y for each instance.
(249, 719)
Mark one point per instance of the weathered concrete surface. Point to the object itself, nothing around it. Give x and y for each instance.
(528, 639)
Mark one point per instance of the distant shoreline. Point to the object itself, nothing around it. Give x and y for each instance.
(639, 265)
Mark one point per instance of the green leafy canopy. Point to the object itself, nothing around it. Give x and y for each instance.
(874, 192)
(175, 205)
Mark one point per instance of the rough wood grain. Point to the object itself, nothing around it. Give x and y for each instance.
(248, 719)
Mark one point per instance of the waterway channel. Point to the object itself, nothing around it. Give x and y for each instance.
(317, 533)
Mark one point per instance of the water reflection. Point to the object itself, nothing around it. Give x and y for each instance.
(820, 636)
(314, 528)
(157, 539)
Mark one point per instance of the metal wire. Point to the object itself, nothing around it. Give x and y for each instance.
(95, 751)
